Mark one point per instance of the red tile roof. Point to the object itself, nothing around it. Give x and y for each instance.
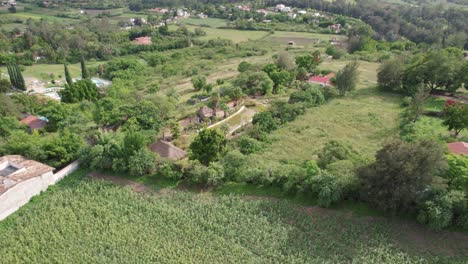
(324, 80)
(143, 41)
(458, 148)
(33, 122)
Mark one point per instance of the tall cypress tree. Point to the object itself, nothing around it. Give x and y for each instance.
(84, 71)
(20, 79)
(67, 75)
(12, 75)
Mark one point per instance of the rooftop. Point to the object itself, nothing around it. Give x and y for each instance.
(322, 79)
(15, 169)
(458, 148)
(168, 150)
(34, 122)
(143, 41)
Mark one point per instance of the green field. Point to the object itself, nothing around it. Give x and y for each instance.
(364, 120)
(42, 71)
(235, 35)
(211, 22)
(89, 221)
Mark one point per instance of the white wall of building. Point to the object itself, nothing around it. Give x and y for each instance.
(21, 193)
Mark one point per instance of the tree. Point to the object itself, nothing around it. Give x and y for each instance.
(415, 108)
(81, 90)
(255, 83)
(435, 69)
(245, 66)
(199, 82)
(280, 78)
(311, 96)
(309, 61)
(84, 71)
(284, 61)
(142, 162)
(402, 171)
(12, 74)
(334, 151)
(265, 121)
(347, 78)
(19, 78)
(390, 75)
(68, 77)
(16, 77)
(456, 117)
(207, 146)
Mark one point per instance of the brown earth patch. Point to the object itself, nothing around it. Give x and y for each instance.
(135, 186)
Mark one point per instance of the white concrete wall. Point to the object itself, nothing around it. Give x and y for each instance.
(21, 193)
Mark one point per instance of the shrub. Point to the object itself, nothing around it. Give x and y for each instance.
(142, 162)
(311, 96)
(248, 145)
(400, 175)
(327, 189)
(457, 173)
(212, 175)
(334, 151)
(170, 170)
(207, 146)
(436, 214)
(265, 122)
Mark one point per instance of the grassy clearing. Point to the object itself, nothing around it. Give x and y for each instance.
(235, 35)
(43, 71)
(211, 22)
(364, 120)
(28, 15)
(87, 221)
(306, 35)
(367, 70)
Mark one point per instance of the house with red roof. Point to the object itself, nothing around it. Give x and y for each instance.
(143, 41)
(322, 80)
(34, 122)
(460, 148)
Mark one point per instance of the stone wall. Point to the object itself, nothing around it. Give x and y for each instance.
(21, 193)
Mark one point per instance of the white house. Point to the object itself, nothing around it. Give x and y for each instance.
(21, 179)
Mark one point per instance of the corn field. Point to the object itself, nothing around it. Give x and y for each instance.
(88, 221)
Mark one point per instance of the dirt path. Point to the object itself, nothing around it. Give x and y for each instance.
(135, 186)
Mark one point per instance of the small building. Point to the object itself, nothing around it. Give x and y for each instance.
(291, 43)
(302, 12)
(20, 180)
(460, 148)
(143, 41)
(322, 80)
(159, 10)
(34, 122)
(243, 8)
(220, 113)
(335, 28)
(191, 120)
(263, 12)
(205, 112)
(167, 150)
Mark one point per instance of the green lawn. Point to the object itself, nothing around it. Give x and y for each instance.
(87, 221)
